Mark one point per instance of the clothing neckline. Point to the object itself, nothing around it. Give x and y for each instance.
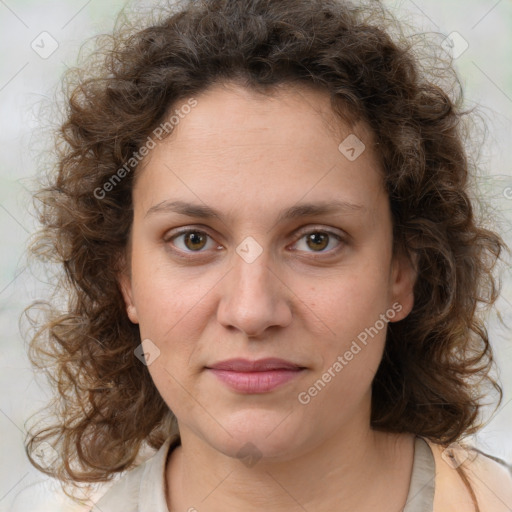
(148, 482)
(420, 497)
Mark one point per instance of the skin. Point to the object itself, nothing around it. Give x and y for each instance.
(250, 156)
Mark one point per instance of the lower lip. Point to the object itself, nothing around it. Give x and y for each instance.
(255, 382)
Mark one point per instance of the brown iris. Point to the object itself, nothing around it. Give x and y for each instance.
(196, 239)
(319, 240)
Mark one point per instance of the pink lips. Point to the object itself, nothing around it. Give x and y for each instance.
(259, 376)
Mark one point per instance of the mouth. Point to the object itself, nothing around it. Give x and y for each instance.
(255, 376)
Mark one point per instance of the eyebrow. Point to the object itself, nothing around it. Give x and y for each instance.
(203, 211)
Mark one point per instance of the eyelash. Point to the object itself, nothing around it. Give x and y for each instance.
(303, 234)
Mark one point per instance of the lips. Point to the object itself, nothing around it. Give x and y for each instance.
(255, 376)
(260, 365)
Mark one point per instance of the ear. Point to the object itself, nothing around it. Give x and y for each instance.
(125, 284)
(403, 278)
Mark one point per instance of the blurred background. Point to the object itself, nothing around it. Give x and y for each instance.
(41, 39)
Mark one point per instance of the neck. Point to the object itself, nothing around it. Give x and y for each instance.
(355, 469)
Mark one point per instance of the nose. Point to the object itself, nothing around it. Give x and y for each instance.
(254, 298)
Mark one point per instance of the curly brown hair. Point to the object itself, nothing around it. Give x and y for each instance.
(107, 407)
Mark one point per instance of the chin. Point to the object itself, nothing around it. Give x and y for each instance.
(255, 434)
(252, 448)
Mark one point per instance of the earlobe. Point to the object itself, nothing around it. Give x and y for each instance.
(132, 313)
(126, 290)
(404, 277)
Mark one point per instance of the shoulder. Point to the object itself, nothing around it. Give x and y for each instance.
(143, 485)
(41, 495)
(122, 495)
(490, 480)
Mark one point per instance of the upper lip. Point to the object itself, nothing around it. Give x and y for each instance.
(259, 365)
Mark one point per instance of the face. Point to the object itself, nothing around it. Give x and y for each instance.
(265, 321)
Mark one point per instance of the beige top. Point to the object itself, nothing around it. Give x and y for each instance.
(435, 483)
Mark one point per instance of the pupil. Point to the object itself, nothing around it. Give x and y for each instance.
(195, 240)
(318, 237)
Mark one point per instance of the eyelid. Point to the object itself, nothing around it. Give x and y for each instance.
(341, 238)
(297, 236)
(321, 229)
(184, 231)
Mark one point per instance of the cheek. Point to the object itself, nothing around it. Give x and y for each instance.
(349, 302)
(167, 299)
(181, 394)
(351, 346)
(171, 313)
(354, 312)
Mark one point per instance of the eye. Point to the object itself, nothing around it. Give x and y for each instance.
(198, 241)
(319, 240)
(194, 240)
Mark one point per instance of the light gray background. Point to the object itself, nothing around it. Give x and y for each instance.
(26, 78)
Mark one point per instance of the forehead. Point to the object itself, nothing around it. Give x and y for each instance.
(258, 148)
(232, 109)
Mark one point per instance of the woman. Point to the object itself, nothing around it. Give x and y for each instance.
(263, 213)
